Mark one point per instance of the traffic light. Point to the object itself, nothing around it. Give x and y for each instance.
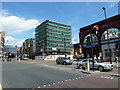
(117, 46)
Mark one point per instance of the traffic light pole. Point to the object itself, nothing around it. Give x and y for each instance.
(107, 35)
(92, 51)
(64, 44)
(89, 43)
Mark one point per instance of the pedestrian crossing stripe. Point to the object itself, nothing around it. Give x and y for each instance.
(106, 77)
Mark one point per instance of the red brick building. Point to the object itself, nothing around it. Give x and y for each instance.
(107, 36)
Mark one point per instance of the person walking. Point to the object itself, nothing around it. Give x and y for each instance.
(116, 60)
(95, 57)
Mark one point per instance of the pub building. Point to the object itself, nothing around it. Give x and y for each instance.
(101, 39)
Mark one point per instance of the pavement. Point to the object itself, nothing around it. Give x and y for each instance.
(91, 81)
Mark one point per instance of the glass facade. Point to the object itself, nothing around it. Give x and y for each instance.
(10, 48)
(51, 35)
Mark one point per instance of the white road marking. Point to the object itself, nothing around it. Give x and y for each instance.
(38, 86)
(111, 78)
(44, 85)
(66, 80)
(53, 83)
(61, 81)
(48, 84)
(106, 77)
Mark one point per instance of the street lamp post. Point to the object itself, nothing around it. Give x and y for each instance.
(64, 44)
(43, 49)
(91, 36)
(107, 34)
(89, 43)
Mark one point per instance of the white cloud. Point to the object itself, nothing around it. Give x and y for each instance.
(74, 41)
(33, 33)
(19, 43)
(9, 39)
(13, 24)
(112, 5)
(3, 13)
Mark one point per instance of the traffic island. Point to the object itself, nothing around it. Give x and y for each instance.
(89, 72)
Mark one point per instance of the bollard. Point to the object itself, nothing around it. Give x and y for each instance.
(87, 66)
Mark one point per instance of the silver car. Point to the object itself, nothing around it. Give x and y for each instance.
(97, 64)
(64, 60)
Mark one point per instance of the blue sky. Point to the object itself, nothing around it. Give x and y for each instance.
(76, 14)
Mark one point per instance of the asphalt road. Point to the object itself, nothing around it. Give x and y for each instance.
(27, 75)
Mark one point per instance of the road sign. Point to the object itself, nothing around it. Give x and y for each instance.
(96, 27)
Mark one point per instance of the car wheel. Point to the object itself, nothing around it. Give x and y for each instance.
(100, 68)
(80, 67)
(58, 62)
(64, 63)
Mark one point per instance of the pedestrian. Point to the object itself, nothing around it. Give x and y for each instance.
(3, 59)
(99, 58)
(116, 60)
(95, 57)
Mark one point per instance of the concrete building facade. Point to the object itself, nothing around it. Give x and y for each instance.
(29, 48)
(2, 41)
(53, 38)
(77, 50)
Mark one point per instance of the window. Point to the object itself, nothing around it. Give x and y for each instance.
(85, 60)
(111, 33)
(93, 36)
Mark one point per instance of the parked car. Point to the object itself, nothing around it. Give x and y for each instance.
(64, 60)
(25, 57)
(97, 64)
(9, 59)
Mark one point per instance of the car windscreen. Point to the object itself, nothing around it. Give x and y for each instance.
(65, 58)
(98, 61)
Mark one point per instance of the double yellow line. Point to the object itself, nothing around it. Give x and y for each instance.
(0, 87)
